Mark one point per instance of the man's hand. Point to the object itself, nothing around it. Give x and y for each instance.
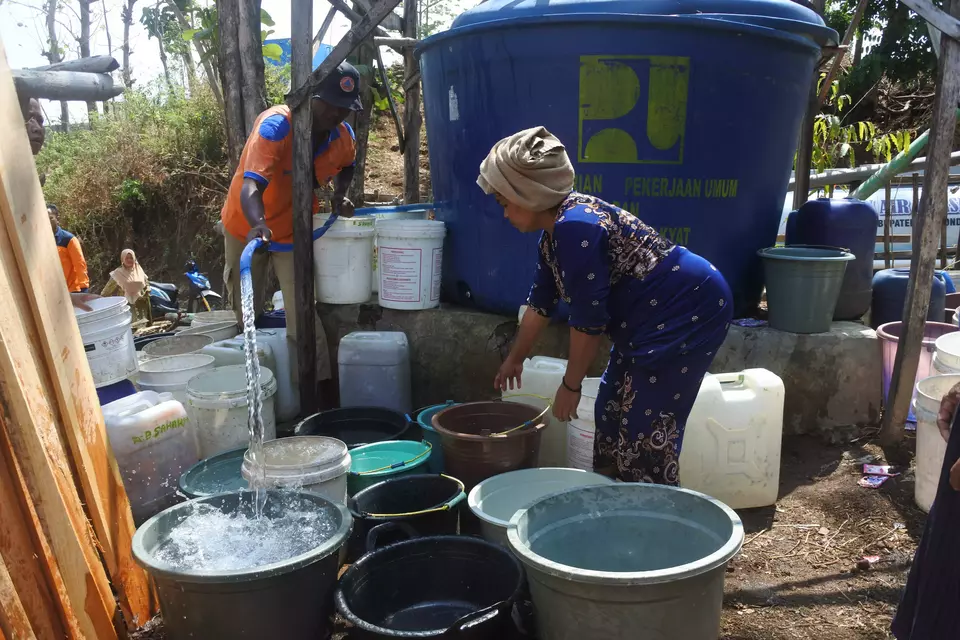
(80, 300)
(344, 209)
(260, 231)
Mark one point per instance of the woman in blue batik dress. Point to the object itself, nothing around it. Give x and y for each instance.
(665, 308)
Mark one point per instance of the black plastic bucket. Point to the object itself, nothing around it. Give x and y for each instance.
(357, 426)
(433, 587)
(430, 504)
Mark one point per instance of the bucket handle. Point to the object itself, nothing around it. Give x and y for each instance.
(402, 463)
(446, 506)
(819, 246)
(540, 416)
(375, 532)
(476, 617)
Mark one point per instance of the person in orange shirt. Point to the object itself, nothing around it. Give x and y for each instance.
(260, 200)
(71, 255)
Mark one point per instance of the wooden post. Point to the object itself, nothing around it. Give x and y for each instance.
(887, 223)
(411, 109)
(231, 77)
(838, 58)
(251, 63)
(933, 211)
(301, 63)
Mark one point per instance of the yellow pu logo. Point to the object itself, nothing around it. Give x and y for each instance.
(633, 109)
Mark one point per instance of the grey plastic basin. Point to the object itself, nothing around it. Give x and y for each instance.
(626, 561)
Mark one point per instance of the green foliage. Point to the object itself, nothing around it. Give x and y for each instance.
(209, 33)
(150, 175)
(835, 143)
(277, 80)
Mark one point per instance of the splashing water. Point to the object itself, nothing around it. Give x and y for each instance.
(257, 477)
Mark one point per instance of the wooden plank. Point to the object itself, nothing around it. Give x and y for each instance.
(14, 622)
(389, 91)
(322, 31)
(838, 58)
(412, 120)
(23, 214)
(933, 211)
(65, 85)
(401, 43)
(391, 21)
(91, 64)
(301, 30)
(944, 22)
(33, 570)
(348, 43)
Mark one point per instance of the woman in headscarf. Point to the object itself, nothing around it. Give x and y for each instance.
(130, 281)
(928, 607)
(665, 309)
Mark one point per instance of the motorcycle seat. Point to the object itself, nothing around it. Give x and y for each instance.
(164, 286)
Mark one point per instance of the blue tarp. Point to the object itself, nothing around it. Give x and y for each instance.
(284, 43)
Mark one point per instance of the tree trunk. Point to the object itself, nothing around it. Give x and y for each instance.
(208, 67)
(84, 42)
(186, 57)
(163, 63)
(127, 15)
(53, 55)
(858, 49)
(411, 110)
(364, 61)
(231, 77)
(253, 85)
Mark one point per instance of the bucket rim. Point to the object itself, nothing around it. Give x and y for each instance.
(420, 450)
(101, 308)
(212, 399)
(340, 450)
(474, 496)
(883, 331)
(520, 431)
(147, 365)
(208, 340)
(717, 558)
(188, 489)
(940, 376)
(343, 606)
(435, 408)
(447, 505)
(774, 253)
(329, 546)
(726, 23)
(206, 329)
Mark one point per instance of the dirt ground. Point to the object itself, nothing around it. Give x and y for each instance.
(797, 576)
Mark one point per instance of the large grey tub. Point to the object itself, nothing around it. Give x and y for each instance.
(626, 561)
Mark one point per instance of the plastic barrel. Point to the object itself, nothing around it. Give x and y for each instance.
(890, 296)
(803, 284)
(889, 335)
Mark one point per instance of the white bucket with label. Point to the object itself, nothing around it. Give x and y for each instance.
(410, 259)
(931, 447)
(581, 431)
(421, 214)
(217, 403)
(108, 340)
(170, 374)
(341, 260)
(316, 464)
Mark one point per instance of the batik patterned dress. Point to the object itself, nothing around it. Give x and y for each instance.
(665, 309)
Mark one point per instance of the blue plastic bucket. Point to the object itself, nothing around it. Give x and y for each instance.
(424, 417)
(381, 461)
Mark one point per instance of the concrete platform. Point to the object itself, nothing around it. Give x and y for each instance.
(832, 379)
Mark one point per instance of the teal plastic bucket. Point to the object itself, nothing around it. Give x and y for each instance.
(216, 474)
(803, 284)
(381, 461)
(424, 418)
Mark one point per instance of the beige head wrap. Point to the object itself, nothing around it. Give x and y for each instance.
(529, 168)
(132, 280)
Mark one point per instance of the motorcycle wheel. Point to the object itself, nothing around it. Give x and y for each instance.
(214, 303)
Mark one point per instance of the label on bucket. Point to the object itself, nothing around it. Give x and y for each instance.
(400, 274)
(437, 271)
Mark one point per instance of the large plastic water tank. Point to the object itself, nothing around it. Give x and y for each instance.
(685, 112)
(847, 223)
(890, 297)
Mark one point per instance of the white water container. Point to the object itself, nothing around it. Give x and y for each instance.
(410, 260)
(341, 260)
(931, 447)
(581, 431)
(375, 370)
(541, 378)
(108, 340)
(170, 374)
(946, 355)
(316, 464)
(278, 300)
(205, 318)
(288, 394)
(154, 441)
(389, 217)
(731, 445)
(217, 331)
(217, 403)
(175, 346)
(233, 351)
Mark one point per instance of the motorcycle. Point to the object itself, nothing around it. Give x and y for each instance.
(164, 296)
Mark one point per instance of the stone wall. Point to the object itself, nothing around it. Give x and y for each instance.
(832, 380)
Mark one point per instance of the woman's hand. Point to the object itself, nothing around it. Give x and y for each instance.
(80, 300)
(948, 408)
(565, 404)
(509, 376)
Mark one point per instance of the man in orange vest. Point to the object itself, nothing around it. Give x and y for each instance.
(260, 200)
(71, 255)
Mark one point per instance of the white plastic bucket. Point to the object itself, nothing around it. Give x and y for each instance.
(410, 259)
(108, 340)
(422, 214)
(316, 464)
(175, 345)
(581, 431)
(946, 355)
(931, 447)
(170, 374)
(217, 331)
(341, 260)
(212, 317)
(217, 402)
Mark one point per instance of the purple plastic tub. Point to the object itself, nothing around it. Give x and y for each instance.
(889, 335)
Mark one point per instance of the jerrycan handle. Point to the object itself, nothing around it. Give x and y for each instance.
(730, 378)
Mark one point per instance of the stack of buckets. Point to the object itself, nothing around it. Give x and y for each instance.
(108, 341)
(931, 447)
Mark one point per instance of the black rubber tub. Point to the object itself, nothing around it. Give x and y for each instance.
(357, 426)
(434, 587)
(430, 504)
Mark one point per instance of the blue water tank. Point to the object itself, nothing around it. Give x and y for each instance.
(847, 223)
(890, 296)
(683, 112)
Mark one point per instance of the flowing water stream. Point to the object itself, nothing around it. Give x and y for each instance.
(254, 393)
